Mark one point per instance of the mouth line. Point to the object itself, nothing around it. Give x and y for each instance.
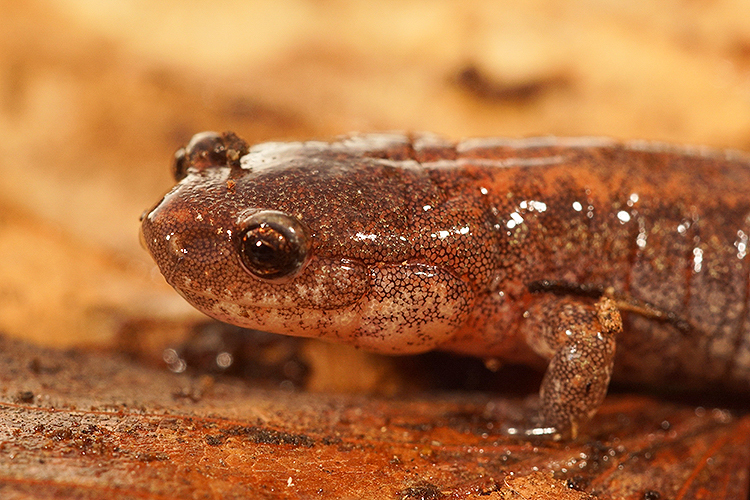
(257, 305)
(270, 304)
(241, 293)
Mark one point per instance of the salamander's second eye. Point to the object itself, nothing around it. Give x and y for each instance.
(273, 245)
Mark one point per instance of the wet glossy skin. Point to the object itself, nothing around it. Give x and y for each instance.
(523, 250)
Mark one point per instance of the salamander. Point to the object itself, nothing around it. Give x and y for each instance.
(545, 251)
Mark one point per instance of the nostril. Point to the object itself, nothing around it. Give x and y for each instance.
(170, 273)
(175, 246)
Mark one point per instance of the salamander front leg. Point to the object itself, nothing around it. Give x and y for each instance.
(577, 335)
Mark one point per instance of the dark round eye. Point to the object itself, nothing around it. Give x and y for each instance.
(204, 150)
(179, 165)
(273, 245)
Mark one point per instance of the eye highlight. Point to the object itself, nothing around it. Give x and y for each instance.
(273, 245)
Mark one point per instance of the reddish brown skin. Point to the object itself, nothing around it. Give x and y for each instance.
(522, 250)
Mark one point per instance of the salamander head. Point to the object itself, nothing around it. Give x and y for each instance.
(307, 239)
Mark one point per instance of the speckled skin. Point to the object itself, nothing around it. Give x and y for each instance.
(522, 250)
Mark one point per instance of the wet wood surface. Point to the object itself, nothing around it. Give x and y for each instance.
(94, 100)
(87, 425)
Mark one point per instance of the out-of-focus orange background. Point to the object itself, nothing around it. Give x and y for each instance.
(95, 97)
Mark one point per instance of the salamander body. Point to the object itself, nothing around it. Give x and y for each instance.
(537, 250)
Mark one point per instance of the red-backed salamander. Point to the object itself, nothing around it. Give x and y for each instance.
(541, 250)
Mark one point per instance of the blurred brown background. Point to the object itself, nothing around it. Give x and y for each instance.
(95, 96)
